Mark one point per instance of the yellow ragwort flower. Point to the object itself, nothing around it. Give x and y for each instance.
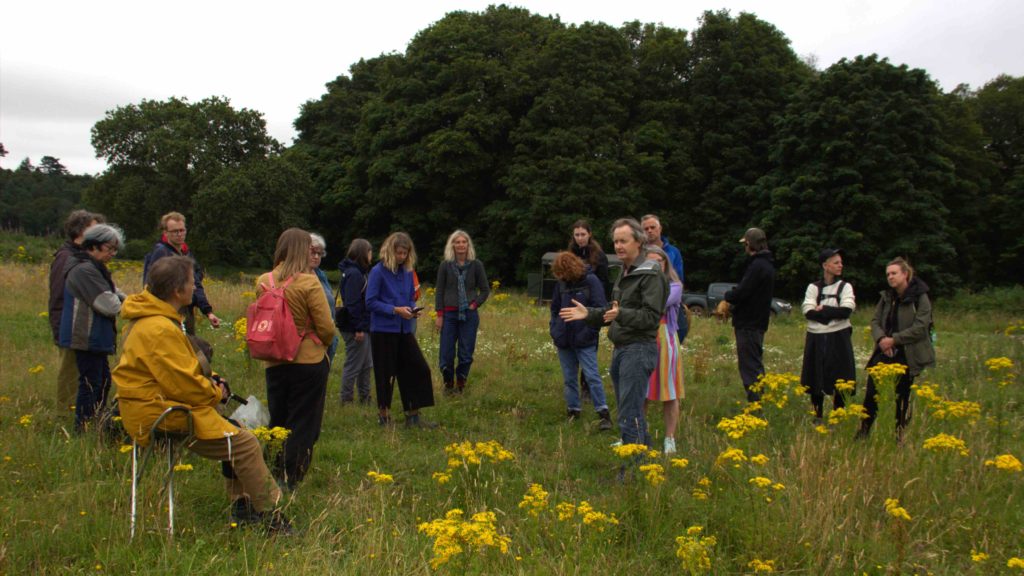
(535, 500)
(630, 450)
(655, 473)
(1006, 462)
(759, 459)
(761, 565)
(733, 456)
(680, 462)
(943, 441)
(893, 508)
(182, 467)
(36, 369)
(978, 556)
(25, 420)
(740, 425)
(379, 478)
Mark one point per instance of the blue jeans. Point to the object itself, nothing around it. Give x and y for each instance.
(631, 369)
(461, 334)
(572, 359)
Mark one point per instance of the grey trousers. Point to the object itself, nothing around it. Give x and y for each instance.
(355, 373)
(631, 369)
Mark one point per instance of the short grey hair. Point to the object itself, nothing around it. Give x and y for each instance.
(101, 234)
(638, 233)
(318, 241)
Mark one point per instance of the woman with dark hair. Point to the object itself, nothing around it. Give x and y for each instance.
(460, 291)
(587, 249)
(353, 320)
(901, 329)
(390, 298)
(577, 342)
(828, 350)
(88, 322)
(638, 302)
(296, 390)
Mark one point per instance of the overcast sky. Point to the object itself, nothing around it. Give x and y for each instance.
(63, 64)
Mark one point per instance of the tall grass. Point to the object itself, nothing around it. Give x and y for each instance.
(64, 498)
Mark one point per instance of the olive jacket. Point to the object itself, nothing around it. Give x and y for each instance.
(913, 322)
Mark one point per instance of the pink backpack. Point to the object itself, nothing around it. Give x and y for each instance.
(270, 328)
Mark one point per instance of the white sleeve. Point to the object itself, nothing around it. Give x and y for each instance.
(810, 299)
(847, 299)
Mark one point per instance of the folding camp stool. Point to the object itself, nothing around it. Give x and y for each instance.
(174, 444)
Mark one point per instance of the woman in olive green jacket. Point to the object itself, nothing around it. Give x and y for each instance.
(901, 329)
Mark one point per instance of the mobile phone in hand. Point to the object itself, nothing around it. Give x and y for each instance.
(417, 309)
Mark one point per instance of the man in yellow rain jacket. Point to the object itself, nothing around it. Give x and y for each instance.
(159, 369)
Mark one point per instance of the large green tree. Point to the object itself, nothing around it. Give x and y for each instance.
(160, 153)
(861, 165)
(37, 200)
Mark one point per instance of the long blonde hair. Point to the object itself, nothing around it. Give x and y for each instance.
(392, 243)
(449, 250)
(291, 256)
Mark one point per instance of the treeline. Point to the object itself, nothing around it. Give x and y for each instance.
(36, 199)
(513, 125)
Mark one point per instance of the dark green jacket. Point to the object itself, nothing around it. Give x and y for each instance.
(914, 314)
(641, 293)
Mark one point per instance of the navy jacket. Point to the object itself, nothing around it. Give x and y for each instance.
(353, 297)
(752, 299)
(588, 292)
(162, 249)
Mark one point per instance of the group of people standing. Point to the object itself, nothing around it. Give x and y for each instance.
(376, 318)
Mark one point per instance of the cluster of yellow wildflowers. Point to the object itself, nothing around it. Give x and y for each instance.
(182, 467)
(442, 477)
(761, 565)
(978, 556)
(703, 489)
(776, 388)
(379, 478)
(36, 369)
(466, 453)
(25, 420)
(453, 535)
(1015, 563)
(741, 425)
(893, 508)
(695, 551)
(272, 438)
(759, 459)
(849, 412)
(846, 386)
(586, 514)
(884, 373)
(766, 483)
(1006, 462)
(734, 456)
(655, 473)
(944, 409)
(632, 450)
(241, 326)
(944, 441)
(535, 500)
(1001, 370)
(679, 463)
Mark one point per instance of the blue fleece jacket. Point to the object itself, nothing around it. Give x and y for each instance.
(386, 290)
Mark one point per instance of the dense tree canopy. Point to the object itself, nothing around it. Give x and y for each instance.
(160, 153)
(36, 200)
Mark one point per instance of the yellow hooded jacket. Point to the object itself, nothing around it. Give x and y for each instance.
(159, 369)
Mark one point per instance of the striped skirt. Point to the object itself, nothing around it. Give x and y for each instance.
(666, 381)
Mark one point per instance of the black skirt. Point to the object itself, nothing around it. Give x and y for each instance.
(398, 357)
(827, 357)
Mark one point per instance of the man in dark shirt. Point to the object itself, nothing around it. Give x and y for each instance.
(751, 303)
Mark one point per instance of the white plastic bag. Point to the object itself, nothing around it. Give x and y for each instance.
(251, 415)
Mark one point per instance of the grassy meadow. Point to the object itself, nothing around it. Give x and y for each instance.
(793, 499)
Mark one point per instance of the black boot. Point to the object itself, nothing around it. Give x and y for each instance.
(606, 420)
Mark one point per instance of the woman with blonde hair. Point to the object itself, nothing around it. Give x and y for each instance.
(297, 390)
(460, 290)
(666, 382)
(901, 329)
(390, 298)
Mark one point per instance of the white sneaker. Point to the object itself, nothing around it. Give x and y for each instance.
(617, 443)
(670, 446)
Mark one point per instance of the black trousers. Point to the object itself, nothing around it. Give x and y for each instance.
(749, 352)
(902, 392)
(295, 396)
(398, 357)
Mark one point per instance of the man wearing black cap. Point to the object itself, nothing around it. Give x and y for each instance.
(751, 303)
